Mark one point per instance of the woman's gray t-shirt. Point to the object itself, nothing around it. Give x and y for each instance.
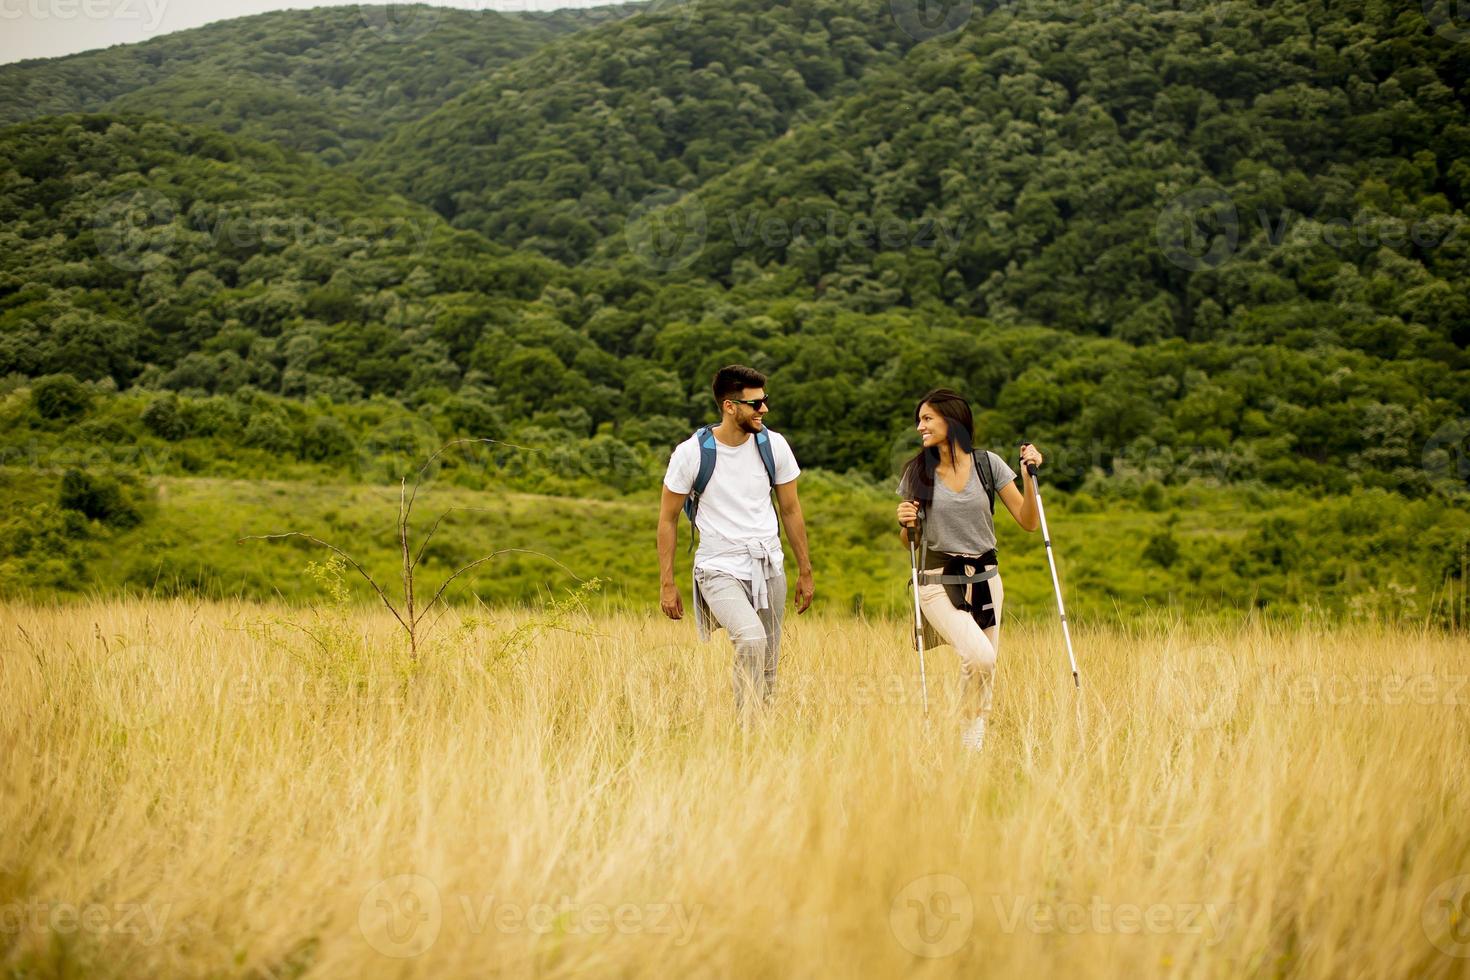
(960, 523)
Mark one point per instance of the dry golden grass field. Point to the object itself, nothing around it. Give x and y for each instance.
(239, 790)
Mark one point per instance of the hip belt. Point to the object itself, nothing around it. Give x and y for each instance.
(953, 570)
(964, 581)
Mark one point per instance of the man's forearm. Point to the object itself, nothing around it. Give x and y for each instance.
(668, 539)
(796, 534)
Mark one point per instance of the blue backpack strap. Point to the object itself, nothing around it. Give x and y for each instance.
(708, 453)
(707, 456)
(768, 455)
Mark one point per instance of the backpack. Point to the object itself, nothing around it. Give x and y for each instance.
(987, 475)
(708, 454)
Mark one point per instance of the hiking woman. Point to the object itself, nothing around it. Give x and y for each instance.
(950, 488)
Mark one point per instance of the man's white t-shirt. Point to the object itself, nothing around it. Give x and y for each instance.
(737, 503)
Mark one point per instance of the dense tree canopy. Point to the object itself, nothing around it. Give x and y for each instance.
(1291, 173)
(550, 152)
(328, 81)
(1219, 242)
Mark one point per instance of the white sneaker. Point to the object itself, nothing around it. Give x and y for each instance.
(974, 736)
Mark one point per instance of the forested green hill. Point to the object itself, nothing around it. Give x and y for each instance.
(233, 266)
(328, 81)
(147, 252)
(552, 151)
(1293, 172)
(1211, 247)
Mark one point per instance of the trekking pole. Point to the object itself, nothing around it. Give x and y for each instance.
(1055, 584)
(918, 615)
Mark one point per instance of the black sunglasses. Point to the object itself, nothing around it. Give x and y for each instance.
(752, 402)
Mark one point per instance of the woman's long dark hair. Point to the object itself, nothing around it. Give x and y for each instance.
(951, 406)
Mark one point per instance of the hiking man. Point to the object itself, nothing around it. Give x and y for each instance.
(725, 474)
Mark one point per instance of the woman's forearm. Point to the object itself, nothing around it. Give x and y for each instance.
(1030, 517)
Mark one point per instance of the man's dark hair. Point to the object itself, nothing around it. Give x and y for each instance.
(733, 379)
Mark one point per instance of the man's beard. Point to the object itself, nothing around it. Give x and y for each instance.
(748, 425)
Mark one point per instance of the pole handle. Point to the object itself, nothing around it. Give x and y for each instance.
(1030, 467)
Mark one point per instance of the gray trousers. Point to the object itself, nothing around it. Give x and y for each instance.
(756, 634)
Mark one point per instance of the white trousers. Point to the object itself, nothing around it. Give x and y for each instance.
(977, 648)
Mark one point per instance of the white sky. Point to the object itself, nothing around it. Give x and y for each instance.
(47, 28)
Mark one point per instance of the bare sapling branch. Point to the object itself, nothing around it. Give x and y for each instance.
(411, 616)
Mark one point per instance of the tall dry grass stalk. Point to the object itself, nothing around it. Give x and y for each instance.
(203, 790)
